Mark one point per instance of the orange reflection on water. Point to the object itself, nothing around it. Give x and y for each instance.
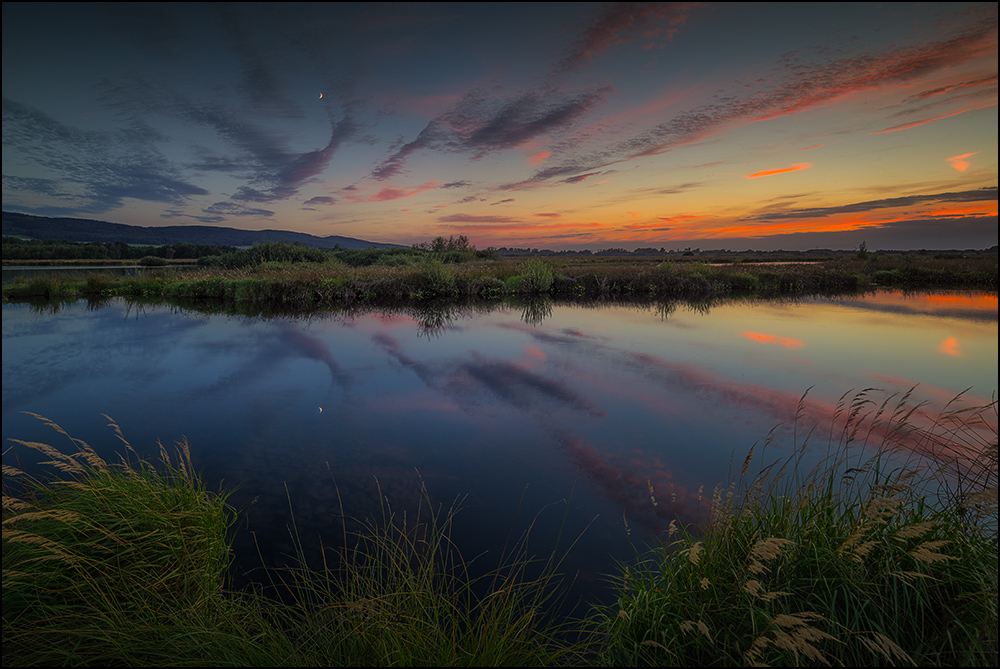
(774, 339)
(950, 347)
(939, 303)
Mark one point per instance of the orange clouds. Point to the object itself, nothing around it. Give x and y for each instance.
(389, 193)
(959, 162)
(538, 157)
(782, 170)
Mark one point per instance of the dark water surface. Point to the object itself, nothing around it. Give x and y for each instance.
(510, 410)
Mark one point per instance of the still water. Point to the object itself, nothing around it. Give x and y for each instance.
(571, 416)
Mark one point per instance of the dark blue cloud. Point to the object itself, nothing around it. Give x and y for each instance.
(94, 171)
(987, 194)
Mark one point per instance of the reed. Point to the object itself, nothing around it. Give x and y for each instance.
(402, 594)
(119, 564)
(389, 276)
(888, 558)
(125, 564)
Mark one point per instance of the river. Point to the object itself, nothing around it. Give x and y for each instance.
(596, 423)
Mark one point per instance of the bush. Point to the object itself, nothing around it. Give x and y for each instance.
(535, 278)
(436, 280)
(262, 252)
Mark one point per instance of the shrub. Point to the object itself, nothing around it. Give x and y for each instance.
(436, 280)
(536, 277)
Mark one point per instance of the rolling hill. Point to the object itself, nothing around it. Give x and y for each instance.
(86, 230)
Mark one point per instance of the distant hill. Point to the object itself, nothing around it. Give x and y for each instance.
(86, 230)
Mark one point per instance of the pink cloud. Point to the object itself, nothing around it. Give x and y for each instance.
(390, 193)
(538, 157)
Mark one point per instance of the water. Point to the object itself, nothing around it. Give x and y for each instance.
(566, 416)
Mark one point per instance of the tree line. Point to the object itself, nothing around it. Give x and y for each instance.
(15, 248)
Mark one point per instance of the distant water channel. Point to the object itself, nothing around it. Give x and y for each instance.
(574, 414)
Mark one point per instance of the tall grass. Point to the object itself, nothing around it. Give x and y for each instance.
(886, 559)
(118, 564)
(125, 564)
(295, 285)
(402, 594)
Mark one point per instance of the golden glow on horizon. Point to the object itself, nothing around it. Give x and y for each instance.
(938, 303)
(984, 302)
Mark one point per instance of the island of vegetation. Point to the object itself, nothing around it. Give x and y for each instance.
(271, 277)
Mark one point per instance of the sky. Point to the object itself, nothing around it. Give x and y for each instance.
(545, 125)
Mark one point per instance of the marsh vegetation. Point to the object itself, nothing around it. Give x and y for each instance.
(294, 278)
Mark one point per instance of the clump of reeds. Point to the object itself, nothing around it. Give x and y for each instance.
(402, 594)
(884, 558)
(116, 563)
(126, 564)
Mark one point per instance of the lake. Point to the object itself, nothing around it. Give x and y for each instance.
(568, 418)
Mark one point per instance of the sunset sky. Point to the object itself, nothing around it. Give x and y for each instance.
(548, 125)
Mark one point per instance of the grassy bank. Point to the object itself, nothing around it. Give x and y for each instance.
(877, 560)
(126, 563)
(866, 560)
(315, 286)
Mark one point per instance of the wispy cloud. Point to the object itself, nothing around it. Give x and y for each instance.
(781, 170)
(979, 195)
(235, 209)
(93, 171)
(324, 200)
(801, 87)
(481, 124)
(962, 86)
(390, 193)
(960, 162)
(915, 124)
(649, 23)
(477, 218)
